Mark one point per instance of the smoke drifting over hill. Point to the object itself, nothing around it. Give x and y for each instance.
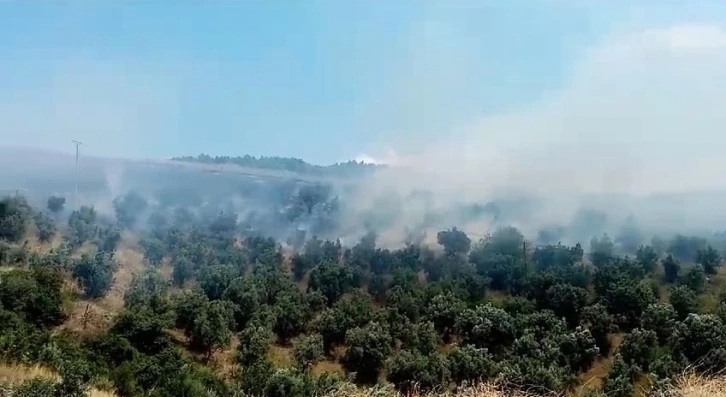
(634, 135)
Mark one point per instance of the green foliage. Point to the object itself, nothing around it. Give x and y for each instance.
(623, 292)
(694, 278)
(55, 204)
(34, 295)
(638, 348)
(210, 328)
(444, 310)
(307, 350)
(660, 318)
(291, 315)
(94, 272)
(647, 257)
(143, 328)
(710, 259)
(154, 250)
(14, 216)
(81, 226)
(672, 269)
(702, 340)
(108, 238)
(128, 208)
(486, 326)
(150, 289)
(683, 300)
(36, 387)
(409, 370)
(454, 241)
(619, 382)
(421, 337)
(244, 295)
(254, 342)
(183, 270)
(215, 279)
(600, 323)
(367, 349)
(331, 279)
(567, 301)
(471, 364)
(346, 314)
(45, 225)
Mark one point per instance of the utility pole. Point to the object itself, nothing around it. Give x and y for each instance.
(75, 198)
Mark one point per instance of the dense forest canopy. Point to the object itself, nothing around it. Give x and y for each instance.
(223, 285)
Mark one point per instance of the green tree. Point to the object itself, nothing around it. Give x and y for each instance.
(421, 337)
(471, 364)
(215, 279)
(695, 278)
(149, 289)
(331, 279)
(600, 323)
(567, 301)
(254, 343)
(45, 225)
(346, 314)
(183, 270)
(367, 349)
(107, 238)
(639, 348)
(244, 294)
(143, 328)
(35, 295)
(647, 258)
(701, 339)
(14, 215)
(454, 241)
(672, 269)
(710, 259)
(443, 310)
(55, 204)
(128, 208)
(94, 272)
(307, 350)
(210, 329)
(81, 226)
(154, 250)
(660, 318)
(291, 315)
(410, 371)
(487, 326)
(619, 382)
(684, 301)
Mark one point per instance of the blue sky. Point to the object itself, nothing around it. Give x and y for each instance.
(322, 80)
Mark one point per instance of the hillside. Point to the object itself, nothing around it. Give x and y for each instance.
(167, 297)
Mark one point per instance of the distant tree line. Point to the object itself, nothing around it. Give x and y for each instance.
(346, 169)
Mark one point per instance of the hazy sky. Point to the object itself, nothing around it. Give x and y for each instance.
(331, 80)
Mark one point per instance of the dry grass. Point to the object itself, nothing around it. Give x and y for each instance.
(224, 362)
(328, 367)
(691, 385)
(15, 374)
(281, 356)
